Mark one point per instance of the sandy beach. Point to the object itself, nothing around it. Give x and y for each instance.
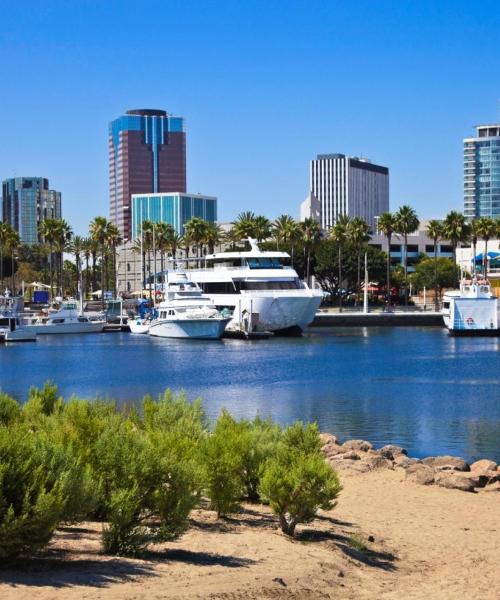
(421, 542)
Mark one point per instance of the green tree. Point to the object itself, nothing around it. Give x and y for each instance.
(387, 226)
(194, 231)
(437, 272)
(486, 229)
(456, 230)
(358, 232)
(297, 481)
(435, 231)
(311, 235)
(98, 232)
(406, 222)
(339, 233)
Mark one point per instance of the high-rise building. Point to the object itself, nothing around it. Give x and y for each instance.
(174, 208)
(147, 154)
(345, 185)
(26, 202)
(482, 173)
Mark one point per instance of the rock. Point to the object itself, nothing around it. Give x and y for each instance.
(390, 451)
(446, 463)
(350, 455)
(492, 487)
(331, 449)
(454, 481)
(377, 462)
(280, 581)
(404, 462)
(484, 465)
(328, 438)
(371, 538)
(361, 445)
(420, 473)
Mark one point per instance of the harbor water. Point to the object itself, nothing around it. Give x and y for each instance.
(416, 387)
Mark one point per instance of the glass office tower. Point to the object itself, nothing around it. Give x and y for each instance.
(26, 202)
(147, 154)
(175, 209)
(482, 173)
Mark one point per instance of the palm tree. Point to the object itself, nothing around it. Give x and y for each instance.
(164, 235)
(435, 231)
(387, 226)
(5, 229)
(48, 233)
(358, 232)
(13, 243)
(474, 234)
(98, 230)
(486, 228)
(339, 234)
(311, 234)
(262, 227)
(77, 248)
(406, 222)
(194, 231)
(86, 249)
(63, 234)
(113, 240)
(286, 231)
(456, 230)
(244, 226)
(148, 245)
(213, 236)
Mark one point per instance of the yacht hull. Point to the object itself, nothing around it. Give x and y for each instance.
(201, 329)
(18, 335)
(283, 314)
(138, 326)
(89, 327)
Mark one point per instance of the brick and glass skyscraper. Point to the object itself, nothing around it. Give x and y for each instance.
(147, 154)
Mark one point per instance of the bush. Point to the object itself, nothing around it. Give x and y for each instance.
(10, 411)
(124, 535)
(41, 485)
(223, 459)
(297, 481)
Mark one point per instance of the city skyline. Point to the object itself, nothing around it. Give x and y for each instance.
(257, 108)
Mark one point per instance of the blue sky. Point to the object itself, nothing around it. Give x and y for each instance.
(264, 87)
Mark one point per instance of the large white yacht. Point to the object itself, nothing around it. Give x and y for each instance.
(65, 319)
(186, 312)
(471, 310)
(261, 291)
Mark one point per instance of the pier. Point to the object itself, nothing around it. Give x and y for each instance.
(378, 319)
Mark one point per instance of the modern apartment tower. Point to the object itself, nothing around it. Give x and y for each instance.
(26, 202)
(482, 173)
(345, 185)
(147, 154)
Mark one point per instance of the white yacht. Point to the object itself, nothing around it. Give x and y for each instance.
(11, 327)
(471, 310)
(186, 312)
(65, 319)
(261, 291)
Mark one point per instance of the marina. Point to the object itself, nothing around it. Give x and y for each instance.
(417, 387)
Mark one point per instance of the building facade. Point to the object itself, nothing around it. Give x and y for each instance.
(350, 186)
(482, 173)
(175, 209)
(26, 202)
(147, 154)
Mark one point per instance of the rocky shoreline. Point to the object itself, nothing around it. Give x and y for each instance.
(359, 456)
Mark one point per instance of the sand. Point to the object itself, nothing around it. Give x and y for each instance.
(428, 542)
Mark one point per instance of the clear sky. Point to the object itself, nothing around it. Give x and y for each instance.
(264, 86)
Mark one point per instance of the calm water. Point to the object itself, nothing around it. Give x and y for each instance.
(416, 387)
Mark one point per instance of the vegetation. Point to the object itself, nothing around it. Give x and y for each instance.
(142, 469)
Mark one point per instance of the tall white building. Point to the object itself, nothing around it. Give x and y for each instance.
(345, 185)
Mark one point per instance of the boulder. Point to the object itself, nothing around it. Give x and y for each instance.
(484, 465)
(328, 438)
(361, 445)
(492, 487)
(454, 481)
(420, 473)
(390, 451)
(377, 462)
(446, 463)
(331, 449)
(349, 455)
(404, 461)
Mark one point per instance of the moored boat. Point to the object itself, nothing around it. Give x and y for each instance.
(65, 319)
(472, 310)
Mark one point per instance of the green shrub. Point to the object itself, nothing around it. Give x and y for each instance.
(223, 460)
(297, 481)
(124, 535)
(10, 411)
(41, 485)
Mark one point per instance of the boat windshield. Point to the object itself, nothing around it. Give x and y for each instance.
(264, 263)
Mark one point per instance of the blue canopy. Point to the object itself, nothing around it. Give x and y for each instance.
(492, 255)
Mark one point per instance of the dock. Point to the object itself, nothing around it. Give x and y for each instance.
(378, 319)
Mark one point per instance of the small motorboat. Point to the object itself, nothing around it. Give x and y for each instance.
(64, 319)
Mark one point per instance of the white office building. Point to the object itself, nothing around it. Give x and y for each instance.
(345, 185)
